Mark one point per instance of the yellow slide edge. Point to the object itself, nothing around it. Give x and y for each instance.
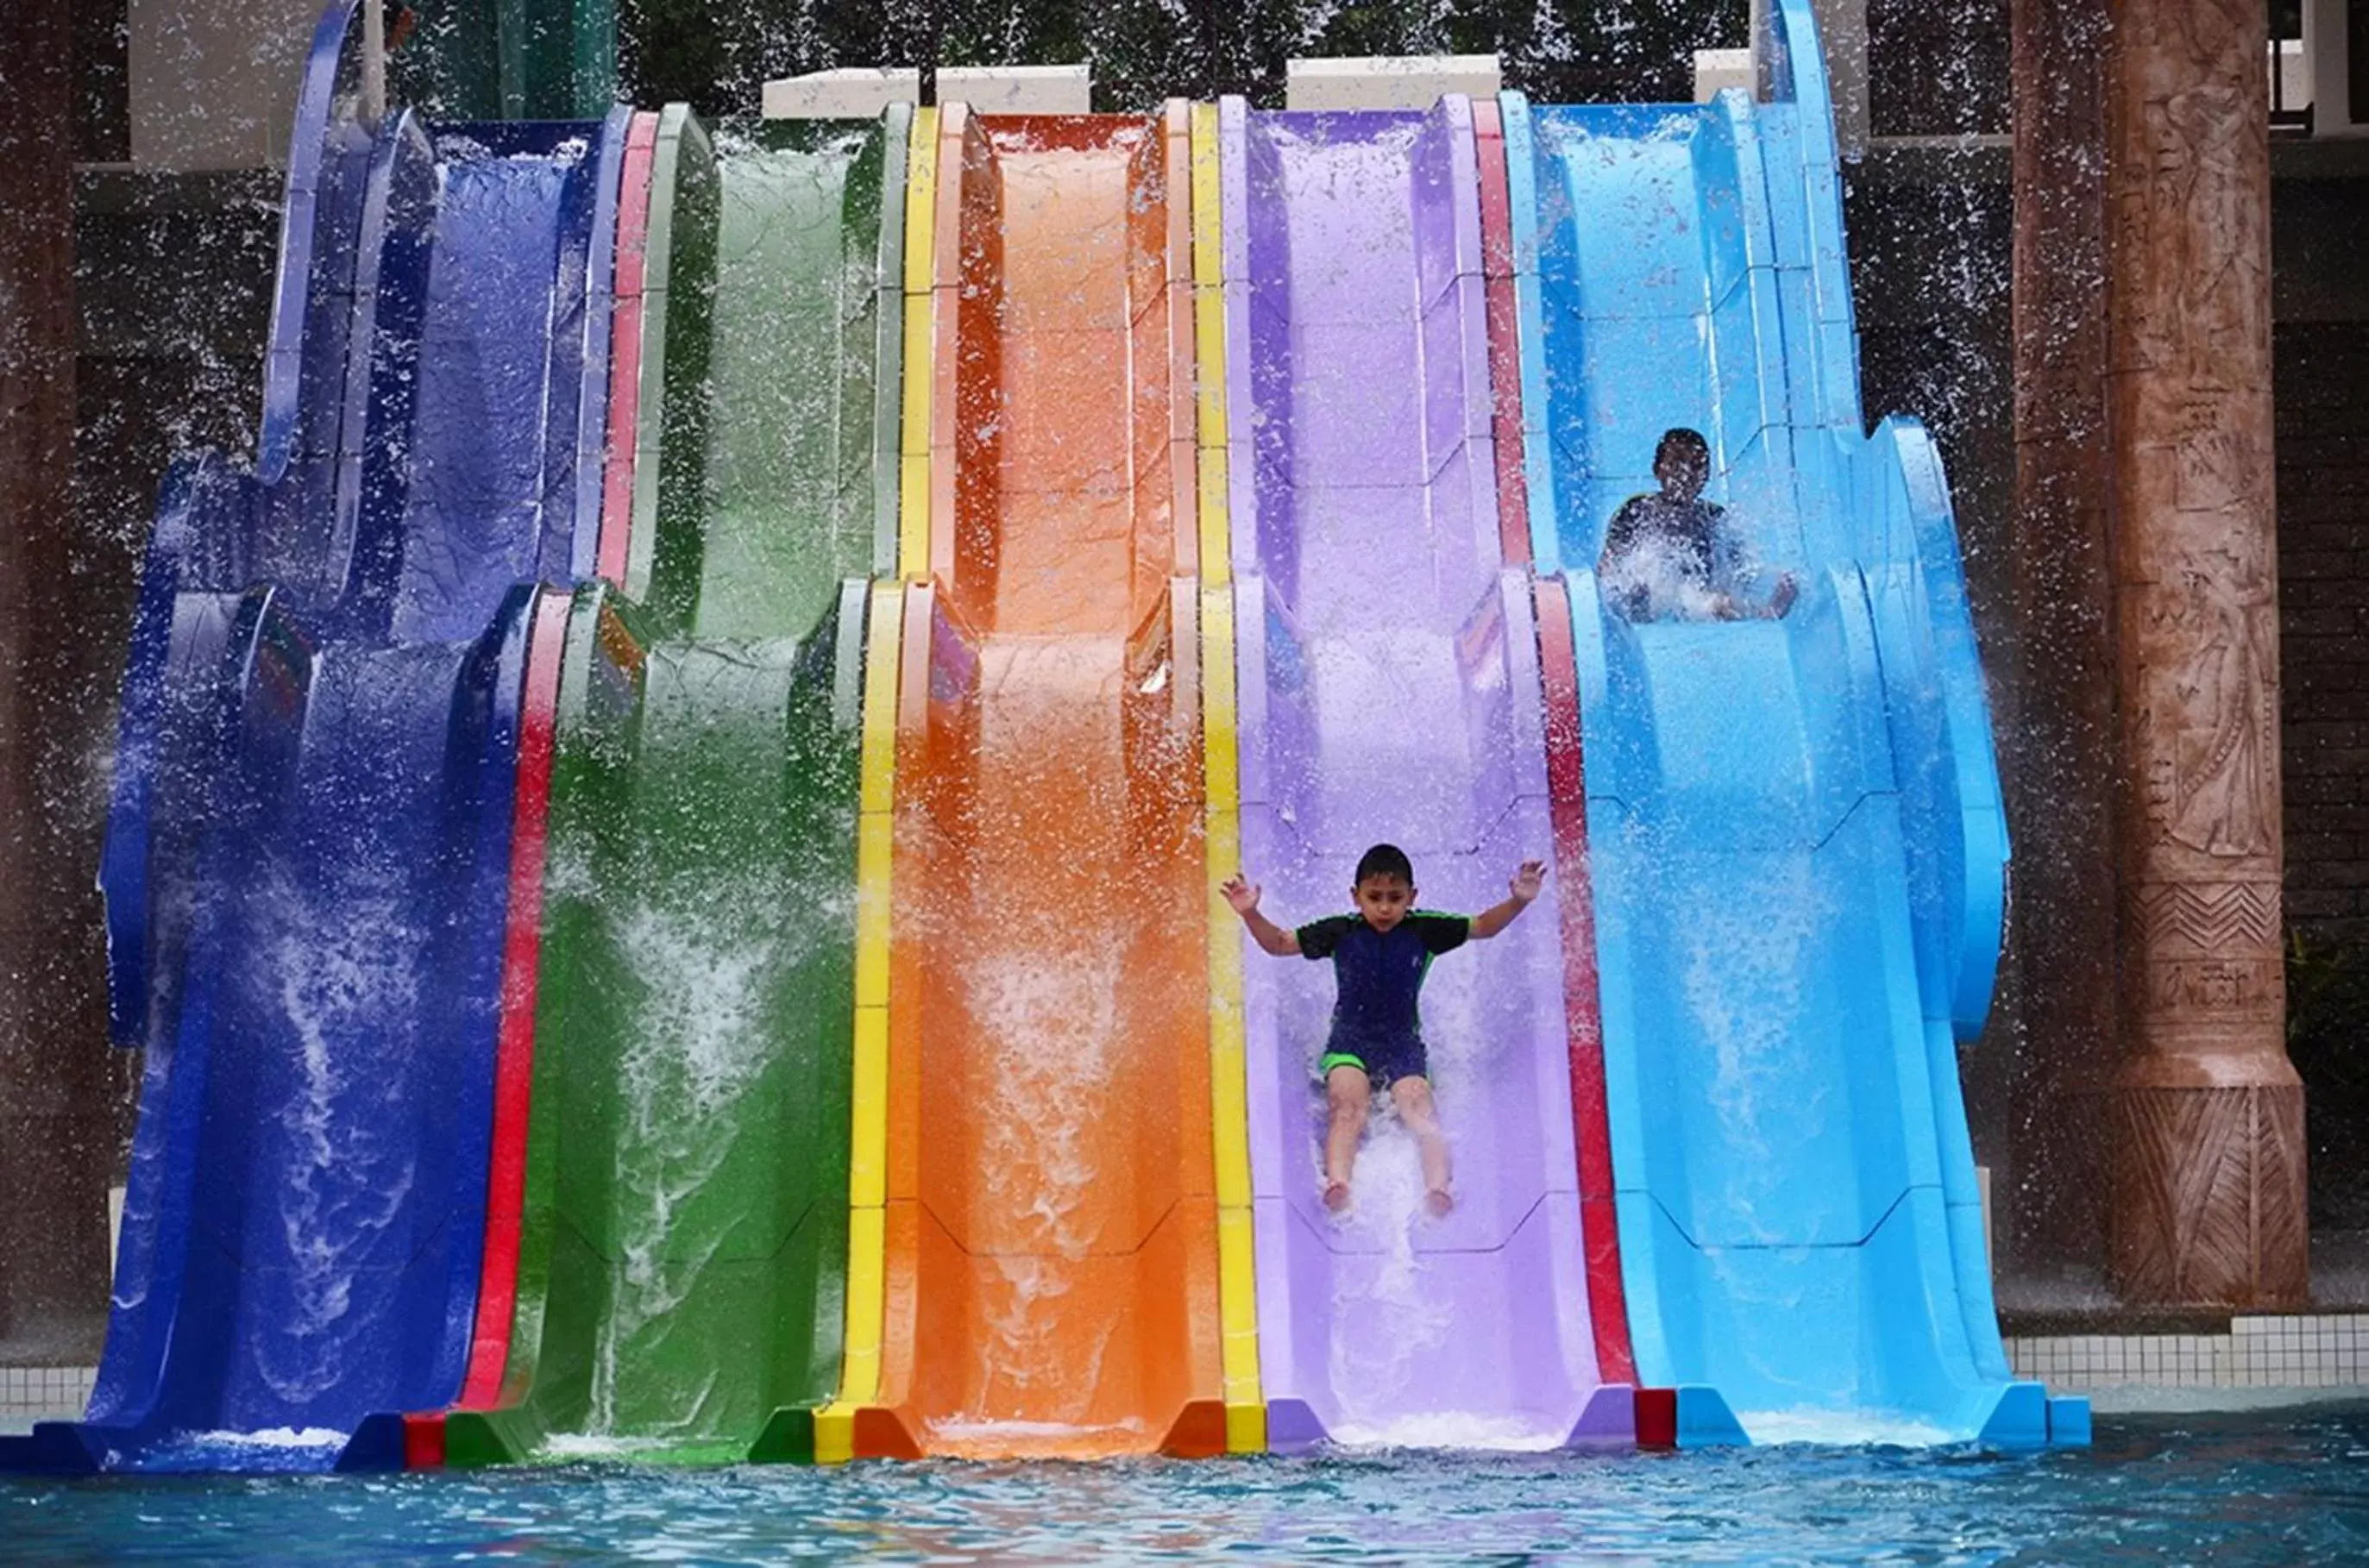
(1210, 350)
(1229, 1106)
(920, 332)
(867, 1174)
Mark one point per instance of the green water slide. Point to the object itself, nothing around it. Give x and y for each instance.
(683, 1259)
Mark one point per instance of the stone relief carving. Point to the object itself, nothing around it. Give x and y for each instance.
(2225, 776)
(2208, 1156)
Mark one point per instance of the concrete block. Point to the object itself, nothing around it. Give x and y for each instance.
(1720, 68)
(2327, 52)
(214, 86)
(1019, 89)
(1387, 81)
(855, 92)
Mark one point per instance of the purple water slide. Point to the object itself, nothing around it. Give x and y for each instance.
(1390, 690)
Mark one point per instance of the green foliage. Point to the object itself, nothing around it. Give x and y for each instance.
(716, 54)
(503, 59)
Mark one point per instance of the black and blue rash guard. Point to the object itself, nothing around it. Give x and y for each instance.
(1378, 978)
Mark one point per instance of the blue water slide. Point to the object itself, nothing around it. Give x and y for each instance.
(1794, 824)
(308, 844)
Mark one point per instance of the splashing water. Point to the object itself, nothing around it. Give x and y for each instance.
(701, 988)
(1389, 1322)
(1741, 973)
(349, 1170)
(1053, 1023)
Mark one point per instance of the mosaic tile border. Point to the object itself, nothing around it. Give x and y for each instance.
(2303, 1351)
(45, 1392)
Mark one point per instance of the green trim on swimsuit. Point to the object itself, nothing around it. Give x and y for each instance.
(1331, 1060)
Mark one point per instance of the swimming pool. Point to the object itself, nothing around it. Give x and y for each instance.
(2285, 1487)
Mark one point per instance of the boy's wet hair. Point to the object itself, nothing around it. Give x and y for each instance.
(1682, 439)
(1384, 859)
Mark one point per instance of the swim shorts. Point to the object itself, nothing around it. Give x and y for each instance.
(1384, 1060)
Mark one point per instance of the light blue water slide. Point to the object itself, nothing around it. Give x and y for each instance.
(1798, 848)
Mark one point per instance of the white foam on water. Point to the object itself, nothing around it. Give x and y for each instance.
(1447, 1429)
(1841, 1428)
(269, 1438)
(594, 1446)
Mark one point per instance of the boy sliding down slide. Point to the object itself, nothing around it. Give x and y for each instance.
(1380, 957)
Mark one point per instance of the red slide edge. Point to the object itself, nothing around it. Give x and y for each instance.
(1567, 804)
(489, 1345)
(1504, 335)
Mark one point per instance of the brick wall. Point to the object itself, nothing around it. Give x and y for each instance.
(2322, 370)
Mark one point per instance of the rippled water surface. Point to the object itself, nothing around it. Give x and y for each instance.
(2268, 1488)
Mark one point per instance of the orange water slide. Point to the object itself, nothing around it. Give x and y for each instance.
(1051, 1263)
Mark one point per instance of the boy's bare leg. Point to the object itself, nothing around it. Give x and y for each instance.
(1350, 1092)
(1413, 1097)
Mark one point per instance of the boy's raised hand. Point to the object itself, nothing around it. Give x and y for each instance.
(1528, 880)
(1241, 892)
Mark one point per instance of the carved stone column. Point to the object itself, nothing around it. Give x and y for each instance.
(2058, 748)
(2208, 1156)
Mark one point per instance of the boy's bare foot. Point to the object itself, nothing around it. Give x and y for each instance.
(1336, 1196)
(1439, 1200)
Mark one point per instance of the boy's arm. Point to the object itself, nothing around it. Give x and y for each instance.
(1524, 887)
(1243, 896)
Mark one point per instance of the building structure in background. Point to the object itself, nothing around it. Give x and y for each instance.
(154, 342)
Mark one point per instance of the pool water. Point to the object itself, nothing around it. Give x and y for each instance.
(2283, 1487)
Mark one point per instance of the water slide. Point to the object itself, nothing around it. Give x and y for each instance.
(684, 1236)
(1793, 824)
(308, 854)
(1048, 1253)
(1390, 690)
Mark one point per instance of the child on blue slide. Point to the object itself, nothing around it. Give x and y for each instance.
(1380, 957)
(1672, 554)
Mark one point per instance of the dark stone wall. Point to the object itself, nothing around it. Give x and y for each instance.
(2323, 480)
(168, 304)
(55, 1135)
(1937, 67)
(2322, 390)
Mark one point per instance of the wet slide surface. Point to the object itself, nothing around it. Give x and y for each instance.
(1389, 692)
(1051, 1217)
(1790, 1148)
(301, 1233)
(686, 1209)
